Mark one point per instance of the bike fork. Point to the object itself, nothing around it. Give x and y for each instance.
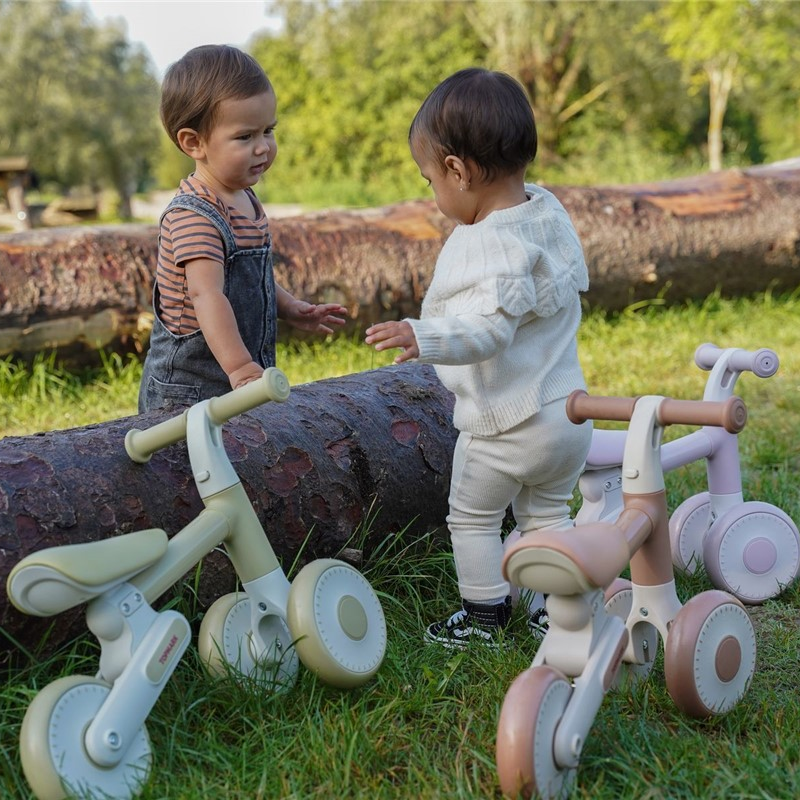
(140, 650)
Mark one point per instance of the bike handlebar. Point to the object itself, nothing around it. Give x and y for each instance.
(272, 385)
(730, 414)
(762, 363)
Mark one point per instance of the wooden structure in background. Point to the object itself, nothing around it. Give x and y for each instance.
(14, 178)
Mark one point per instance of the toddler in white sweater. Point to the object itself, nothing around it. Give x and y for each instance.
(499, 323)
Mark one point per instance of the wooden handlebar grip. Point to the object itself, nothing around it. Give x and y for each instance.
(582, 406)
(730, 414)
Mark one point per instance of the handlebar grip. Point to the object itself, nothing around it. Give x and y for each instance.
(141, 444)
(272, 385)
(582, 406)
(730, 414)
(762, 362)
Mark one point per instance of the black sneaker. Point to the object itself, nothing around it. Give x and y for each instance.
(474, 622)
(538, 622)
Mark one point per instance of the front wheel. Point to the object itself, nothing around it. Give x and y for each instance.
(226, 644)
(710, 654)
(337, 622)
(54, 760)
(532, 710)
(644, 636)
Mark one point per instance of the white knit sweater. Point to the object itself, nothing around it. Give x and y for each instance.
(500, 316)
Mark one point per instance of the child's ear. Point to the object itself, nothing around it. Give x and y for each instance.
(459, 169)
(189, 141)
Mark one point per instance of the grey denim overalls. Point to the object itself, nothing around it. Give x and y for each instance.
(181, 370)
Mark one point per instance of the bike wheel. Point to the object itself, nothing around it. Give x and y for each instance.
(54, 760)
(226, 644)
(338, 623)
(618, 602)
(710, 654)
(531, 712)
(687, 529)
(753, 552)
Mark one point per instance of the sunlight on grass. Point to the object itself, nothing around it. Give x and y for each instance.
(45, 395)
(646, 350)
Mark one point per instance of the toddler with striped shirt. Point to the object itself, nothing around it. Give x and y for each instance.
(215, 299)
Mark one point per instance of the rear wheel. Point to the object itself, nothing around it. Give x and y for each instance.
(753, 552)
(532, 710)
(54, 760)
(687, 529)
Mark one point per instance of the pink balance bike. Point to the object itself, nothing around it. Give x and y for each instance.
(750, 549)
(85, 736)
(604, 630)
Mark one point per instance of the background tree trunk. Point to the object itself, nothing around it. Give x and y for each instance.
(370, 453)
(737, 231)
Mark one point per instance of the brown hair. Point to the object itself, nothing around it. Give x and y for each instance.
(480, 115)
(196, 84)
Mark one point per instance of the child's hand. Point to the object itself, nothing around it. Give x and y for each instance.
(317, 318)
(385, 335)
(246, 374)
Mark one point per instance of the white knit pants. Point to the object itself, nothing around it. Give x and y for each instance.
(534, 467)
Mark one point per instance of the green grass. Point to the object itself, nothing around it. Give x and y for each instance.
(45, 395)
(425, 726)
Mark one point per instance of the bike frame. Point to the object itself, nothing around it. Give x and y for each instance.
(600, 484)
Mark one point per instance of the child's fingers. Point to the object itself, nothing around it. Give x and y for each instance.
(380, 331)
(394, 341)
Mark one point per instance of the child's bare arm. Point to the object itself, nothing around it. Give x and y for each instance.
(205, 282)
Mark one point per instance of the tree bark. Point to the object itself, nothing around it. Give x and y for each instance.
(76, 289)
(356, 458)
(736, 231)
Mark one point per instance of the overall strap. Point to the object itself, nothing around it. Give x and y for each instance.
(191, 202)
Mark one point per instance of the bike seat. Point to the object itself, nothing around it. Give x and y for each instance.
(568, 561)
(58, 578)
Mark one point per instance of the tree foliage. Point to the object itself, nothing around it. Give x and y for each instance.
(622, 91)
(349, 78)
(77, 99)
(729, 47)
(616, 97)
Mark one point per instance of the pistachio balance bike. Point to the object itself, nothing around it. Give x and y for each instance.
(604, 631)
(750, 549)
(86, 736)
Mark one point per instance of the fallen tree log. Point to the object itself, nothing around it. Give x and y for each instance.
(366, 455)
(736, 231)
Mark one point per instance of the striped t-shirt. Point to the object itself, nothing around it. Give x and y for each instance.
(186, 235)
